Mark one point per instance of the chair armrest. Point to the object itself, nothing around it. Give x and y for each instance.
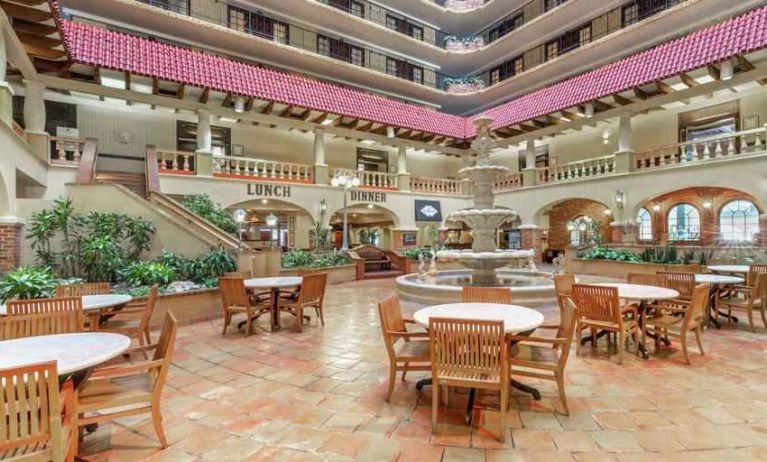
(632, 308)
(549, 326)
(409, 335)
(128, 370)
(409, 320)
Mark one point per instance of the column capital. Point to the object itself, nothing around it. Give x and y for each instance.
(203, 112)
(34, 85)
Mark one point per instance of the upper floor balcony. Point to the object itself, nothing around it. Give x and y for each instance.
(729, 147)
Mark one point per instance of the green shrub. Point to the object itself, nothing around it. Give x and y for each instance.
(203, 205)
(604, 253)
(27, 282)
(147, 273)
(297, 258)
(413, 253)
(203, 269)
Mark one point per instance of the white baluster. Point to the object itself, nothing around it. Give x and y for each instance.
(743, 144)
(216, 165)
(718, 151)
(706, 151)
(757, 143)
(77, 153)
(731, 147)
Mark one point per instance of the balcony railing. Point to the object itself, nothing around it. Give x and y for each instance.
(717, 147)
(587, 168)
(508, 182)
(442, 186)
(66, 151)
(370, 180)
(176, 162)
(259, 169)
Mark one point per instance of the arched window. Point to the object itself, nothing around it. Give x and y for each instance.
(683, 223)
(644, 224)
(581, 230)
(738, 221)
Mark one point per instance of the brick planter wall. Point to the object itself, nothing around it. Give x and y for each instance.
(11, 240)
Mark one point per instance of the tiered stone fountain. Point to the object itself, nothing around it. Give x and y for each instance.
(484, 260)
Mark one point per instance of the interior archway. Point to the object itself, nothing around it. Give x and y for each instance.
(290, 230)
(368, 224)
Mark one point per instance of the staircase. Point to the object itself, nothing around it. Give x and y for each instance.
(136, 182)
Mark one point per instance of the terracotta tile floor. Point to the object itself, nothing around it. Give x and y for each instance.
(320, 396)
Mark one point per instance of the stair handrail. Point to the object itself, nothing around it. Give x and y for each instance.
(191, 217)
(86, 172)
(151, 170)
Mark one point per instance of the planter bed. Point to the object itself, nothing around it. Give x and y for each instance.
(336, 274)
(619, 269)
(189, 307)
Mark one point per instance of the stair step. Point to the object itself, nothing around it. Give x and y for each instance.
(136, 182)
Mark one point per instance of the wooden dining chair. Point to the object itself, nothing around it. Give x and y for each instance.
(533, 356)
(599, 308)
(310, 295)
(134, 319)
(412, 353)
(471, 354)
(37, 415)
(746, 299)
(47, 316)
(86, 288)
(671, 320)
(644, 279)
(753, 272)
(501, 295)
(684, 283)
(235, 299)
(107, 395)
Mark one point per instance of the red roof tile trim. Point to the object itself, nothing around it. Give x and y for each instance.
(88, 44)
(96, 46)
(740, 35)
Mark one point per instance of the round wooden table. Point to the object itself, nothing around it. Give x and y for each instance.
(516, 320)
(274, 284)
(716, 281)
(642, 294)
(73, 353)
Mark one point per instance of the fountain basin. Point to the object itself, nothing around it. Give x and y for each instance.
(529, 288)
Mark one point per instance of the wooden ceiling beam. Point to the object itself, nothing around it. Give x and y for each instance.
(366, 128)
(622, 100)
(204, 95)
(33, 28)
(601, 105)
(43, 52)
(320, 118)
(305, 115)
(39, 40)
(641, 94)
(180, 91)
(663, 87)
(713, 72)
(249, 103)
(228, 100)
(744, 64)
(688, 80)
(287, 112)
(25, 13)
(268, 108)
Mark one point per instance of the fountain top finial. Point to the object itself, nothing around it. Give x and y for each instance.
(484, 141)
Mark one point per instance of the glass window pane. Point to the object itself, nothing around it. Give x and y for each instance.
(683, 223)
(738, 221)
(644, 224)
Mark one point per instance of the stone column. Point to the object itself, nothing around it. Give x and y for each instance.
(6, 92)
(530, 235)
(618, 234)
(530, 173)
(403, 177)
(204, 153)
(320, 167)
(11, 242)
(624, 157)
(763, 230)
(34, 118)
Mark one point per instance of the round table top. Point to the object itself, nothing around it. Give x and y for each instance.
(72, 352)
(274, 282)
(515, 318)
(640, 291)
(707, 278)
(95, 302)
(729, 268)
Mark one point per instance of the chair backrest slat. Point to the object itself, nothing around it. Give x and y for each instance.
(684, 283)
(753, 272)
(164, 349)
(597, 302)
(697, 310)
(312, 288)
(563, 283)
(760, 287)
(88, 288)
(501, 295)
(233, 292)
(29, 397)
(464, 345)
(28, 318)
(644, 279)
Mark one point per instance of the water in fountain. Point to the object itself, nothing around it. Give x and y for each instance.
(484, 219)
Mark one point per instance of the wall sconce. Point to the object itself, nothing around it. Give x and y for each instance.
(620, 197)
(656, 208)
(707, 204)
(570, 227)
(608, 212)
(323, 205)
(239, 216)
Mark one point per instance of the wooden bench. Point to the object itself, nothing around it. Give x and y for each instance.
(375, 259)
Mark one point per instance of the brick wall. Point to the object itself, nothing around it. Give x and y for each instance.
(531, 239)
(10, 246)
(564, 212)
(709, 217)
